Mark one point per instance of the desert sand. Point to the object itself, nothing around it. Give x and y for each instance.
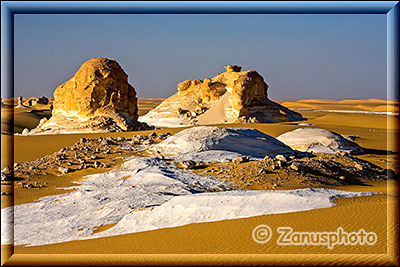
(233, 237)
(377, 134)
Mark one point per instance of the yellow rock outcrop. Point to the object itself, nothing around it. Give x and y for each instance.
(97, 98)
(232, 96)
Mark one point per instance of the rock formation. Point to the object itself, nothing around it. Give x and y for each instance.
(318, 140)
(97, 98)
(234, 141)
(233, 96)
(20, 102)
(34, 101)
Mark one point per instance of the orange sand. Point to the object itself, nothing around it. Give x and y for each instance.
(234, 236)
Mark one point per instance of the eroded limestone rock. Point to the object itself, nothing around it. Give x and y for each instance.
(234, 96)
(97, 98)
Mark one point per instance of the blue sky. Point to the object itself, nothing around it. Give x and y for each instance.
(300, 56)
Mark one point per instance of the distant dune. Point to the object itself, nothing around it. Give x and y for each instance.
(372, 105)
(30, 117)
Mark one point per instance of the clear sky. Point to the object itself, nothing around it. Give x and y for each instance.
(300, 56)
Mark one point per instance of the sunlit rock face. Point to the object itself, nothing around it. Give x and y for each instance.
(230, 97)
(97, 98)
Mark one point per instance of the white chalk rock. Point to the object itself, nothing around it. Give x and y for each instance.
(318, 141)
(244, 141)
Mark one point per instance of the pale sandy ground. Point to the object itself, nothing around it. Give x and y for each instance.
(378, 134)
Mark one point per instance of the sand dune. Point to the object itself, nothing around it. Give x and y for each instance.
(379, 108)
(317, 101)
(372, 101)
(147, 104)
(292, 104)
(372, 105)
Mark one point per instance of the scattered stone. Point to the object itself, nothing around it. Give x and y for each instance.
(153, 135)
(181, 111)
(98, 164)
(273, 166)
(120, 138)
(343, 153)
(106, 142)
(110, 142)
(7, 170)
(163, 136)
(295, 166)
(160, 155)
(267, 158)
(188, 164)
(138, 139)
(5, 177)
(262, 171)
(107, 165)
(279, 164)
(239, 160)
(64, 170)
(82, 167)
(281, 158)
(358, 166)
(148, 142)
